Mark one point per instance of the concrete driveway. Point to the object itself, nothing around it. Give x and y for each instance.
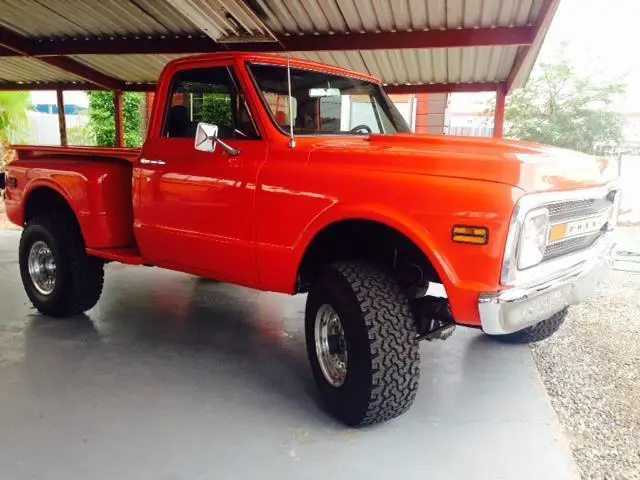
(171, 377)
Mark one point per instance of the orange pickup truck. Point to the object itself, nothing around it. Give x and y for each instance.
(295, 177)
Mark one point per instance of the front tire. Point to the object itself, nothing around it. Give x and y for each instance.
(369, 333)
(58, 276)
(537, 332)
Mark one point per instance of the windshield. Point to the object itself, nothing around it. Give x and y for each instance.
(326, 104)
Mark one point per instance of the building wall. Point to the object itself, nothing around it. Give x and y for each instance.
(424, 113)
(430, 113)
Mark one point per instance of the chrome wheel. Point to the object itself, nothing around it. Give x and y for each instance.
(331, 345)
(42, 267)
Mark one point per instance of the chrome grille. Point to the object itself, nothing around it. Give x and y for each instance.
(570, 245)
(578, 209)
(575, 210)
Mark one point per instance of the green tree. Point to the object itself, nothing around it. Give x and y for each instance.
(81, 135)
(102, 118)
(216, 109)
(561, 108)
(13, 119)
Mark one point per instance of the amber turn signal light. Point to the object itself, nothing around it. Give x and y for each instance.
(473, 235)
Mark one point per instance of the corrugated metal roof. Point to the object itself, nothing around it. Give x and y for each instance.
(415, 66)
(359, 16)
(224, 19)
(450, 65)
(79, 18)
(130, 68)
(441, 65)
(21, 69)
(73, 18)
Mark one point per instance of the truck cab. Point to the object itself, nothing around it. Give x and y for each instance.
(300, 178)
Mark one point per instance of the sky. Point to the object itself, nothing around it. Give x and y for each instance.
(602, 37)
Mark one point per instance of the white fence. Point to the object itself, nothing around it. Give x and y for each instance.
(469, 131)
(44, 130)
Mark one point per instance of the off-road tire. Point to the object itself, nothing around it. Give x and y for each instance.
(79, 277)
(383, 366)
(537, 332)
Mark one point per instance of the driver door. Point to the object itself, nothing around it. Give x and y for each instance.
(195, 209)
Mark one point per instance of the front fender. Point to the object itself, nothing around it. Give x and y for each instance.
(463, 269)
(384, 215)
(279, 265)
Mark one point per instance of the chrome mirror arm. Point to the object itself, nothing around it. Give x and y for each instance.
(233, 152)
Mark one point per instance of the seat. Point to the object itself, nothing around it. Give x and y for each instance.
(178, 121)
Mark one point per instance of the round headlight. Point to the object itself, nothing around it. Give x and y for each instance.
(533, 238)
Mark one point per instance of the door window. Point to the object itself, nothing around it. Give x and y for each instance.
(210, 95)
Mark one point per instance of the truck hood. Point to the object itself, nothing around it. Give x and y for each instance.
(531, 167)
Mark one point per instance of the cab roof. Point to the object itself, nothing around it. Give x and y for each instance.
(195, 60)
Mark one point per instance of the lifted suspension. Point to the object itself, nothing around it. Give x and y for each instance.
(433, 318)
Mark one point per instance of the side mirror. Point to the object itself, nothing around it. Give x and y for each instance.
(207, 138)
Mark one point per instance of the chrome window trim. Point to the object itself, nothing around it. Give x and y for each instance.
(510, 275)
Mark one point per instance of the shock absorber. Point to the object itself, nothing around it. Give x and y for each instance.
(433, 318)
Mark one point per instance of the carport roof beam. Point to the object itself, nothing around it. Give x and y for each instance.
(128, 87)
(444, 87)
(527, 55)
(465, 37)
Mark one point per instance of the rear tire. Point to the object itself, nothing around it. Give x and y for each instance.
(382, 370)
(72, 281)
(537, 332)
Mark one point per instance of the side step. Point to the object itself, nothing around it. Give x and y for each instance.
(128, 255)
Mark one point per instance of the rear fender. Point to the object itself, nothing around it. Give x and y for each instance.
(16, 199)
(99, 194)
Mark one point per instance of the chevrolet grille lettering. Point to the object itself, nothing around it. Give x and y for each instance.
(562, 231)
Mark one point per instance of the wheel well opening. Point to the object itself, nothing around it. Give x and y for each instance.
(46, 201)
(371, 241)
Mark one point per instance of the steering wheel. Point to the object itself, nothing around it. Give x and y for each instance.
(357, 128)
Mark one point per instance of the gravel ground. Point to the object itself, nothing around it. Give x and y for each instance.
(591, 369)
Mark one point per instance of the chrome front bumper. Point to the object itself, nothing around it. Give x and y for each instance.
(515, 308)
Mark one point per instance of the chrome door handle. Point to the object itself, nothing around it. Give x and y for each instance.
(146, 161)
